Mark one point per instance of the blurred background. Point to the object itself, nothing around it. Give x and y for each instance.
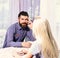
(49, 9)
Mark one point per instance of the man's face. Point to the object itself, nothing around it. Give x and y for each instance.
(23, 21)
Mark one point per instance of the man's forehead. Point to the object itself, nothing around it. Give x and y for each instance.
(22, 16)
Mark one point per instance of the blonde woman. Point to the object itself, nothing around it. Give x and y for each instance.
(45, 43)
(42, 32)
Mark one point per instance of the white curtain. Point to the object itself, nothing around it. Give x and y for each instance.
(31, 6)
(9, 10)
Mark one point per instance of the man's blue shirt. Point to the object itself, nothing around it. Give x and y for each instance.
(16, 34)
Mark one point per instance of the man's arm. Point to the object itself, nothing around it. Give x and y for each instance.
(30, 36)
(9, 38)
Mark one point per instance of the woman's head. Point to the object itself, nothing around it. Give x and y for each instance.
(41, 32)
(38, 27)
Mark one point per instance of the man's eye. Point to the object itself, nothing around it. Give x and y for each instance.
(26, 19)
(22, 19)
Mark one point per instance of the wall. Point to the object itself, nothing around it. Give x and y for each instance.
(50, 9)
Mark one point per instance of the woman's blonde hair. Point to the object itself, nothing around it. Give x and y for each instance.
(41, 29)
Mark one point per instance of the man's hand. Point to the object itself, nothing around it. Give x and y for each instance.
(26, 44)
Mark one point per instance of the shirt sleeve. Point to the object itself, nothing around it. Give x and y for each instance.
(9, 38)
(35, 48)
(30, 36)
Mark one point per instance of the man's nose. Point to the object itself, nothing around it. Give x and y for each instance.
(24, 20)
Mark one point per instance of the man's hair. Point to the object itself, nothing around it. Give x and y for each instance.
(24, 13)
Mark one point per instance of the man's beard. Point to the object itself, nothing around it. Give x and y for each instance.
(23, 25)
